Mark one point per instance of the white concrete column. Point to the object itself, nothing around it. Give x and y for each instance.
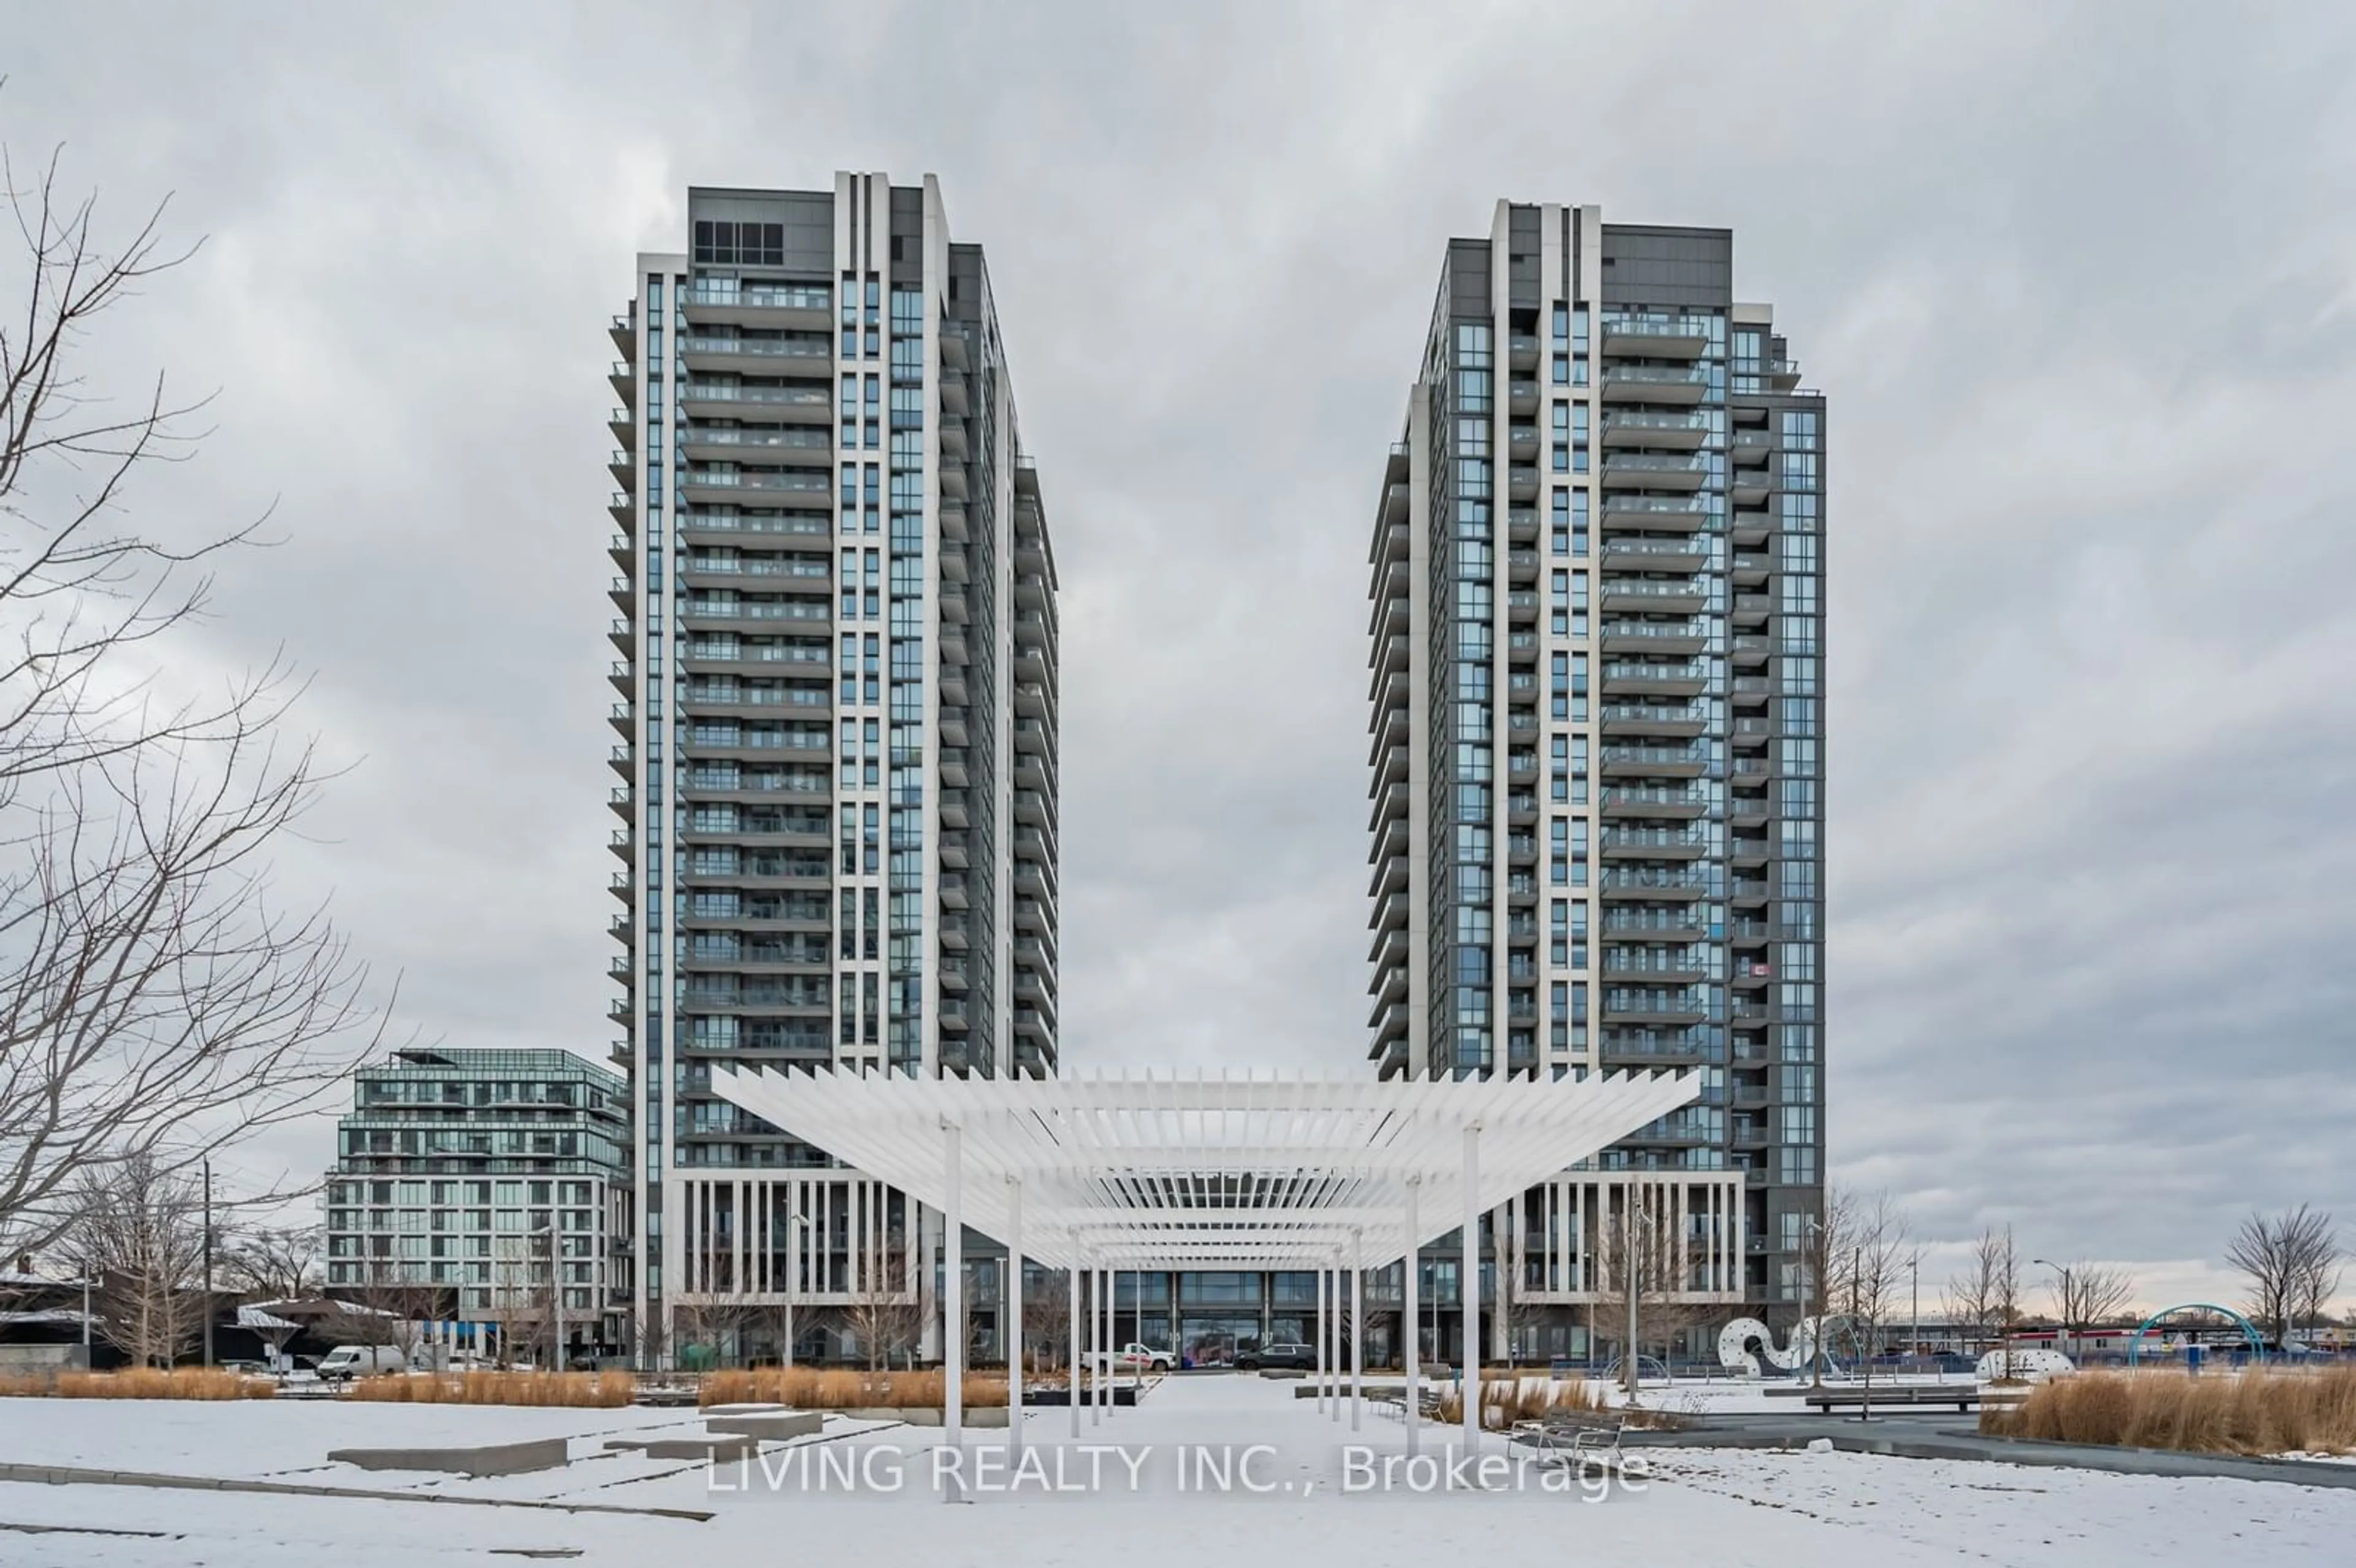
(1334, 1352)
(1010, 1312)
(953, 1303)
(1407, 1319)
(1072, 1281)
(1317, 1334)
(1468, 1293)
(1357, 1325)
(1100, 1365)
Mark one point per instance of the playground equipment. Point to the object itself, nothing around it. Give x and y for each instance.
(1743, 1342)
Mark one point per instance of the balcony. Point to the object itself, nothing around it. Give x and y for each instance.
(1522, 524)
(758, 442)
(1682, 514)
(1656, 882)
(1670, 638)
(1625, 677)
(1748, 487)
(1656, 843)
(1673, 718)
(1521, 351)
(807, 354)
(1653, 596)
(1680, 433)
(1649, 471)
(1654, 383)
(1522, 567)
(1657, 336)
(1640, 924)
(1522, 482)
(732, 399)
(1652, 800)
(1627, 552)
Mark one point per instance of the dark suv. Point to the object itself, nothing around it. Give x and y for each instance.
(1295, 1357)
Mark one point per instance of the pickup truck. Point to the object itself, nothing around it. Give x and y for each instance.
(1136, 1358)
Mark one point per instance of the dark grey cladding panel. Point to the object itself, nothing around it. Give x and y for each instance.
(907, 265)
(1522, 259)
(968, 290)
(808, 216)
(1649, 266)
(1468, 279)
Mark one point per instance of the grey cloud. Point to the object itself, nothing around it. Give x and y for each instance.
(2077, 282)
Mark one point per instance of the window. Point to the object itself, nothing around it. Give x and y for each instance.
(726, 244)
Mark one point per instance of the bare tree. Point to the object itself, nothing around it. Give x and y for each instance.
(2292, 1260)
(715, 1326)
(138, 1232)
(1872, 1284)
(2086, 1293)
(885, 1314)
(1987, 1294)
(1639, 1251)
(387, 1307)
(1048, 1316)
(272, 1263)
(1826, 1255)
(156, 1003)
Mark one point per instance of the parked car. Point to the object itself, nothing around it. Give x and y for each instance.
(1281, 1354)
(348, 1362)
(1136, 1358)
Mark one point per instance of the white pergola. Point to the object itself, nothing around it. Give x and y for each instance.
(1161, 1170)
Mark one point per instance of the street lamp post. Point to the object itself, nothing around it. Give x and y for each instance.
(2069, 1335)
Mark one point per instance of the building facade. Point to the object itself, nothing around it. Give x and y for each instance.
(1597, 739)
(836, 727)
(467, 1181)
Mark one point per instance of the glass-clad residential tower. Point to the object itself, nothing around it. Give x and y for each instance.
(1598, 731)
(836, 750)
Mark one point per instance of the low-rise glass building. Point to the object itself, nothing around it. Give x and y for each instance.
(467, 1181)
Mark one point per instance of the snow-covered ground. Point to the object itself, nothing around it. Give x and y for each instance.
(1823, 1510)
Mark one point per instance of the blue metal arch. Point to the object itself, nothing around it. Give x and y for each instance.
(2249, 1330)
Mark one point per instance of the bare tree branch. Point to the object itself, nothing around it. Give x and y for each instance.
(2292, 1260)
(157, 1001)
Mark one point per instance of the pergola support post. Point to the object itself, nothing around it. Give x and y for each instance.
(1468, 1289)
(1011, 1314)
(953, 1305)
(1409, 1321)
(1357, 1325)
(1073, 1325)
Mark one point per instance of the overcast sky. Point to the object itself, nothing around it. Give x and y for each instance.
(2081, 290)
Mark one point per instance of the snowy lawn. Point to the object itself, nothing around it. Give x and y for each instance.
(1820, 1511)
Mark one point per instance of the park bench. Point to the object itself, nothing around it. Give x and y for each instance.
(1962, 1396)
(1578, 1442)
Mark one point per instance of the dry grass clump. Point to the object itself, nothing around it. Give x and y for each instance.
(137, 1383)
(1507, 1398)
(2257, 1412)
(601, 1391)
(844, 1388)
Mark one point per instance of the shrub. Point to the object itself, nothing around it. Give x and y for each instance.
(842, 1388)
(2254, 1412)
(572, 1390)
(138, 1382)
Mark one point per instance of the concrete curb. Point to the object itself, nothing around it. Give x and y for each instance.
(73, 1475)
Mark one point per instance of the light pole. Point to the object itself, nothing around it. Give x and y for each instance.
(1914, 1311)
(798, 1218)
(2068, 1334)
(209, 1265)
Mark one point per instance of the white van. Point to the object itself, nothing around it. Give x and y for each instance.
(346, 1361)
